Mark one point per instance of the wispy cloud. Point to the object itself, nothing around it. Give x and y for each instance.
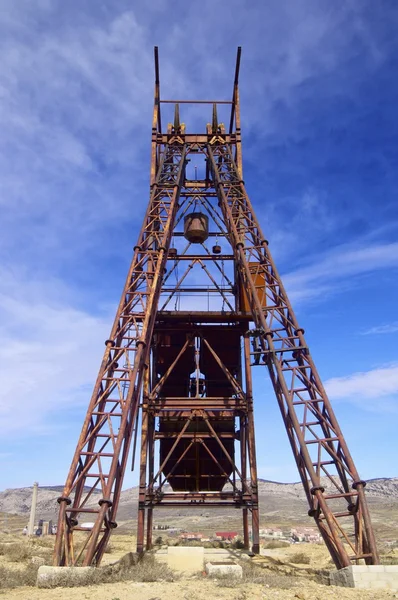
(49, 355)
(380, 329)
(376, 389)
(338, 269)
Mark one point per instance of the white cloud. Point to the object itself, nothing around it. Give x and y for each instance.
(379, 385)
(388, 328)
(49, 355)
(338, 268)
(70, 97)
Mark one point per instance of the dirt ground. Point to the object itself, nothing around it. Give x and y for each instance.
(273, 564)
(193, 589)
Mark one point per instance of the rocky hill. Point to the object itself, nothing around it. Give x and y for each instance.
(383, 488)
(275, 498)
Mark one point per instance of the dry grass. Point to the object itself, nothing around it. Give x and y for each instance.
(149, 569)
(146, 570)
(18, 553)
(253, 573)
(22, 551)
(299, 558)
(389, 559)
(12, 578)
(276, 544)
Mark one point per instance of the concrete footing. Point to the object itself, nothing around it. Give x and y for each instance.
(373, 577)
(224, 568)
(187, 559)
(63, 576)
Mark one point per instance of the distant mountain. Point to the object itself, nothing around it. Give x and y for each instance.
(383, 488)
(275, 497)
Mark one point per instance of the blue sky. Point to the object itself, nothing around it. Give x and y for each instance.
(320, 130)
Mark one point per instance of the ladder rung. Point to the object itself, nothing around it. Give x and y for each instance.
(110, 414)
(332, 439)
(344, 495)
(97, 454)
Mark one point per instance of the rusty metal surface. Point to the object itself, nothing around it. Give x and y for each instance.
(190, 327)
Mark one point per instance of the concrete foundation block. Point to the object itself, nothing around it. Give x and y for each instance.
(367, 577)
(63, 576)
(187, 559)
(377, 568)
(224, 568)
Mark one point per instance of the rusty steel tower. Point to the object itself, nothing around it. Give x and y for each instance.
(202, 306)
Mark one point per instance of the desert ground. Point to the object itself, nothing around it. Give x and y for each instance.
(276, 574)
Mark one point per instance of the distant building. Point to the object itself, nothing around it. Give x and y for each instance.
(191, 537)
(226, 535)
(271, 532)
(306, 534)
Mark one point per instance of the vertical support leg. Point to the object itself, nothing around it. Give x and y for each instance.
(252, 449)
(245, 528)
(140, 529)
(255, 531)
(143, 466)
(149, 528)
(151, 470)
(243, 455)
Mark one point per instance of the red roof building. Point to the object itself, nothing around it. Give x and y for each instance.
(226, 535)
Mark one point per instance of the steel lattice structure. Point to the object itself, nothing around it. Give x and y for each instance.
(189, 371)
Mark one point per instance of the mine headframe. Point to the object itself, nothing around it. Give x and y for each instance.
(202, 306)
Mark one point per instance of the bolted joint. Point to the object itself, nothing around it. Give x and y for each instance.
(140, 343)
(312, 512)
(112, 524)
(73, 522)
(316, 489)
(137, 248)
(239, 245)
(299, 330)
(110, 343)
(360, 482)
(64, 499)
(264, 242)
(107, 501)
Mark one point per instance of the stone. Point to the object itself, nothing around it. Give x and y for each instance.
(366, 577)
(63, 576)
(224, 568)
